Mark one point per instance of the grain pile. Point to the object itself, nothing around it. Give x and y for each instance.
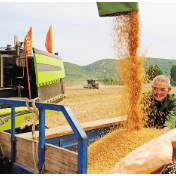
(106, 152)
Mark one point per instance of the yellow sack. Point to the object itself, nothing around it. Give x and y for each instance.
(149, 157)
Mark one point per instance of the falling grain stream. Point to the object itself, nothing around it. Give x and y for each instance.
(107, 151)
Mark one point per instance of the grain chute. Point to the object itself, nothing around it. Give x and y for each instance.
(109, 9)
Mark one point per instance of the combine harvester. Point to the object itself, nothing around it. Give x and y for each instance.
(58, 150)
(92, 84)
(46, 77)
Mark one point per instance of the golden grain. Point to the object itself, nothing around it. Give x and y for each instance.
(110, 149)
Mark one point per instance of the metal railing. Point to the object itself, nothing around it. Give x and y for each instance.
(71, 119)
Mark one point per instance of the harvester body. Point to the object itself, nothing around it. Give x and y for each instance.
(92, 84)
(46, 77)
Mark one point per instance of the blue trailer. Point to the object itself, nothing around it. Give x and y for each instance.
(62, 151)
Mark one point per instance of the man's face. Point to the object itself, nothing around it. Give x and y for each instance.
(160, 90)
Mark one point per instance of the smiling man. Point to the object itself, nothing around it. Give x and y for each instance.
(161, 105)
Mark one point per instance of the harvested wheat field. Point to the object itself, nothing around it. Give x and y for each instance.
(91, 104)
(88, 105)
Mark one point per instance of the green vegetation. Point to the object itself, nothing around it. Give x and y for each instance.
(105, 70)
(173, 75)
(164, 64)
(152, 71)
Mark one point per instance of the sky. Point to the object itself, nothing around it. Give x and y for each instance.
(80, 35)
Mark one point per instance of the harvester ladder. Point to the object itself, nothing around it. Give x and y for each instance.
(71, 119)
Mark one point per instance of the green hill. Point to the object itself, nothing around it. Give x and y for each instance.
(106, 69)
(164, 64)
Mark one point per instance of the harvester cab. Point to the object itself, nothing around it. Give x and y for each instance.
(92, 84)
(45, 72)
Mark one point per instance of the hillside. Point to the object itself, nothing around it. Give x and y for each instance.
(164, 64)
(106, 69)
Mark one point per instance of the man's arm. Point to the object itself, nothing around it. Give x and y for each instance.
(165, 130)
(171, 118)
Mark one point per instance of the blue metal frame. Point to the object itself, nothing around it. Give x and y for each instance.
(18, 169)
(70, 142)
(71, 119)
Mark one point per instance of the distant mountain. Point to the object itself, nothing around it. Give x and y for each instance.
(106, 69)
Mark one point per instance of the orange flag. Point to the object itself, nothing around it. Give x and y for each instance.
(49, 41)
(28, 42)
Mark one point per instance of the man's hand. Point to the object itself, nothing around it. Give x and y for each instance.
(165, 130)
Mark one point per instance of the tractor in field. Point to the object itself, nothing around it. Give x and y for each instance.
(92, 84)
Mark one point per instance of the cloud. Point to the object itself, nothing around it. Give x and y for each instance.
(63, 11)
(80, 35)
(158, 28)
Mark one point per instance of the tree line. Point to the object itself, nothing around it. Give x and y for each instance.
(153, 70)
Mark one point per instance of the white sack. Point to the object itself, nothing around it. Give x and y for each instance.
(149, 157)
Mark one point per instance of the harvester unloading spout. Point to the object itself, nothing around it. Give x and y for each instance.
(107, 9)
